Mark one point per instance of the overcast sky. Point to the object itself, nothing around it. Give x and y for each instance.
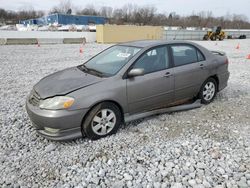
(182, 7)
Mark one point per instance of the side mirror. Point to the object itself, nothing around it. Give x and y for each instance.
(135, 72)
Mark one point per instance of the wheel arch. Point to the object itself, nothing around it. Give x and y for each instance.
(217, 81)
(99, 102)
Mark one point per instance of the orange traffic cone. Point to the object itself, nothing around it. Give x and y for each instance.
(238, 46)
(248, 56)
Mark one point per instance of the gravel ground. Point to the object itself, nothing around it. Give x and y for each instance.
(205, 147)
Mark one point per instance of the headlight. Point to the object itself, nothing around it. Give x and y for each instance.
(57, 103)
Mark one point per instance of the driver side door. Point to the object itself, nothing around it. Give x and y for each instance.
(155, 88)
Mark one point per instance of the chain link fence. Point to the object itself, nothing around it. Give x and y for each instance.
(198, 34)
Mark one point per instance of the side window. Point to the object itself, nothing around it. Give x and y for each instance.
(153, 60)
(184, 54)
(200, 56)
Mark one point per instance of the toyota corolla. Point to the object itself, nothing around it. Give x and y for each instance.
(124, 82)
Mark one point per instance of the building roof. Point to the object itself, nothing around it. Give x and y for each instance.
(75, 15)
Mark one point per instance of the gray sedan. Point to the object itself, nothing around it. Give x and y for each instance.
(122, 83)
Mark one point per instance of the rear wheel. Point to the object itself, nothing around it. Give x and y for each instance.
(103, 120)
(208, 91)
(221, 37)
(206, 37)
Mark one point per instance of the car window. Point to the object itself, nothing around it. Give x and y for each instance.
(184, 54)
(200, 56)
(153, 60)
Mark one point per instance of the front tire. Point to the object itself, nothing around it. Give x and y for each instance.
(213, 37)
(208, 91)
(103, 120)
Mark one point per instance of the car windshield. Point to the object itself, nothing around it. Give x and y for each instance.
(110, 61)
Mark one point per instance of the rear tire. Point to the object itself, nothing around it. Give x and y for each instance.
(206, 37)
(208, 91)
(103, 120)
(221, 38)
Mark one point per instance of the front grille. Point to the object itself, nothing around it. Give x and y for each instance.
(34, 98)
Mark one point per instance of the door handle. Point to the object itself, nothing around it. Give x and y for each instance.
(201, 66)
(167, 75)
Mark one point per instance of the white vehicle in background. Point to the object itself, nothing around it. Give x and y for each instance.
(67, 28)
(8, 27)
(72, 28)
(21, 27)
(92, 28)
(44, 28)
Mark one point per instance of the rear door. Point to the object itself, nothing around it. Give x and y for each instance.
(156, 87)
(190, 70)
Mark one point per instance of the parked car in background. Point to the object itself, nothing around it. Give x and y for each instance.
(122, 82)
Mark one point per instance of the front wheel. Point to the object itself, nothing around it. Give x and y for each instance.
(213, 37)
(103, 120)
(208, 91)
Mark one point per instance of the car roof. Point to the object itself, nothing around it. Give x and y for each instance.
(150, 43)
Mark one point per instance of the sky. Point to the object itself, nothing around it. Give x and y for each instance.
(181, 7)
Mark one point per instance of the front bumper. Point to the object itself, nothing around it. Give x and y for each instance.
(67, 123)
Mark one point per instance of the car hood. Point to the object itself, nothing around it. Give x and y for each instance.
(63, 82)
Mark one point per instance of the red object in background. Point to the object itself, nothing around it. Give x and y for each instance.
(248, 56)
(238, 47)
(81, 50)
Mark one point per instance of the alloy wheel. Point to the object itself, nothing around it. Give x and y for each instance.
(208, 91)
(103, 122)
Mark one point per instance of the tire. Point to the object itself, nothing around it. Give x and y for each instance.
(213, 37)
(98, 124)
(221, 37)
(208, 91)
(205, 37)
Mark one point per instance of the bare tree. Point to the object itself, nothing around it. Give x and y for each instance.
(144, 15)
(107, 12)
(133, 14)
(118, 17)
(63, 7)
(88, 10)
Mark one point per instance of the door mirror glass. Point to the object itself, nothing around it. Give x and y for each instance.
(136, 72)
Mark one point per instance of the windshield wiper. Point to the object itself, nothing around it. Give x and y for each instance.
(83, 67)
(94, 71)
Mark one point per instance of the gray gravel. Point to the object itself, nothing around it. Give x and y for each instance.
(205, 147)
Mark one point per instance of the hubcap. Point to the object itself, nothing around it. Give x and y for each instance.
(103, 122)
(208, 91)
